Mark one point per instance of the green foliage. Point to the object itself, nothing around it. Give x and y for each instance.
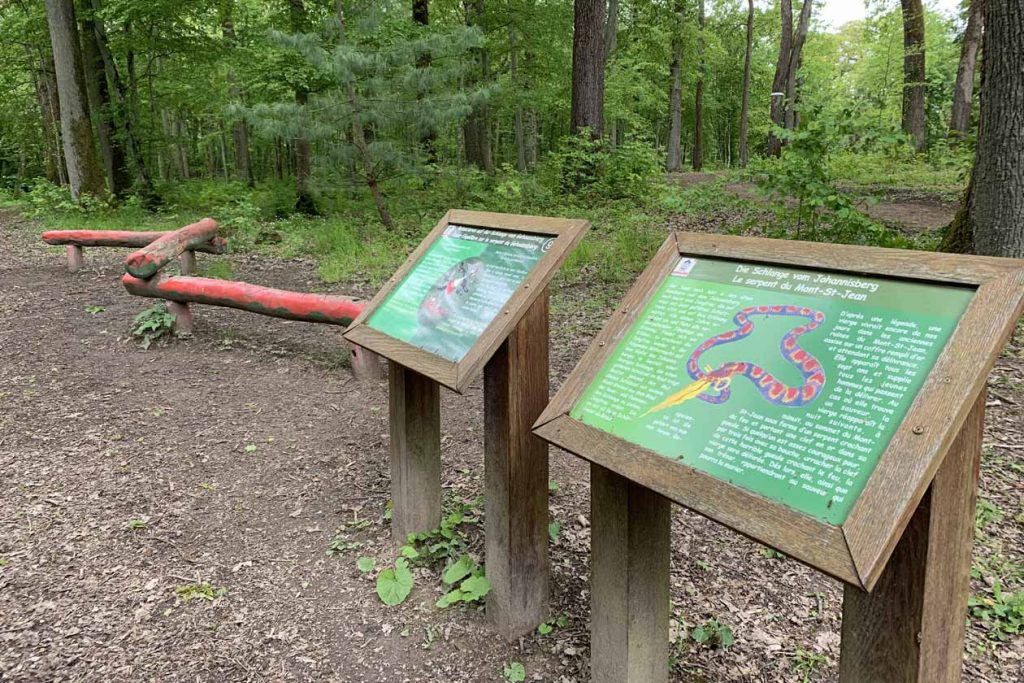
(136, 524)
(199, 591)
(366, 564)
(395, 584)
(713, 634)
(221, 269)
(554, 531)
(806, 663)
(590, 167)
(1001, 613)
(152, 324)
(986, 513)
(515, 672)
(94, 310)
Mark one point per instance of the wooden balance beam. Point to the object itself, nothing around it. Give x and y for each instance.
(328, 309)
(76, 240)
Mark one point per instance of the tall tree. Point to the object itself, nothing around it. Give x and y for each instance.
(85, 173)
(698, 105)
(778, 106)
(239, 129)
(476, 130)
(674, 155)
(427, 135)
(111, 146)
(587, 110)
(795, 59)
(745, 97)
(963, 91)
(304, 202)
(611, 29)
(991, 219)
(914, 73)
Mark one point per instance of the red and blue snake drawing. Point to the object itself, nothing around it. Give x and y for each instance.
(713, 385)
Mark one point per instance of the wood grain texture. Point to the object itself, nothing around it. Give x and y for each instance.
(567, 234)
(630, 558)
(901, 263)
(415, 417)
(815, 543)
(76, 260)
(907, 466)
(516, 477)
(187, 262)
(910, 629)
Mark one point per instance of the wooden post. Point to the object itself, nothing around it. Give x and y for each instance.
(910, 629)
(75, 259)
(415, 408)
(630, 552)
(182, 317)
(516, 476)
(366, 365)
(187, 262)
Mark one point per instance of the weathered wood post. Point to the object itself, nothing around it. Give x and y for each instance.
(366, 365)
(75, 258)
(187, 262)
(912, 626)
(516, 475)
(415, 416)
(182, 316)
(630, 546)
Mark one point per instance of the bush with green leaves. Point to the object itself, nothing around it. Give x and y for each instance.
(590, 167)
(1001, 613)
(152, 324)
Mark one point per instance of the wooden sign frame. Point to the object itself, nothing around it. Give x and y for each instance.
(457, 375)
(856, 551)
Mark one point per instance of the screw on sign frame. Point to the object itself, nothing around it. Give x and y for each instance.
(903, 551)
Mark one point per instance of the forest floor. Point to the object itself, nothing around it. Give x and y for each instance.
(223, 466)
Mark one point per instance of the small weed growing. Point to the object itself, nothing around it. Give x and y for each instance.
(713, 634)
(1001, 613)
(199, 591)
(515, 672)
(804, 663)
(152, 324)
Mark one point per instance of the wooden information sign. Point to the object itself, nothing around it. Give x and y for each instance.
(824, 400)
(474, 296)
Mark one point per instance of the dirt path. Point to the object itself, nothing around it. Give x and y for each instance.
(919, 214)
(240, 453)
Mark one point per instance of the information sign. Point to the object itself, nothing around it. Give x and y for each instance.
(458, 287)
(462, 292)
(787, 382)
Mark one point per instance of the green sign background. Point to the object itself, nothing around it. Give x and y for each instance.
(457, 288)
(878, 341)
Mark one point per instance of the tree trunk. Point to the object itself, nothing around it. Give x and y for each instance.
(477, 128)
(963, 91)
(49, 108)
(520, 132)
(611, 29)
(745, 98)
(778, 105)
(111, 147)
(799, 39)
(85, 173)
(427, 135)
(588, 67)
(673, 156)
(913, 73)
(239, 129)
(698, 105)
(304, 202)
(992, 218)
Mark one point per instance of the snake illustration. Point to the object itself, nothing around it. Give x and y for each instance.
(712, 385)
(450, 290)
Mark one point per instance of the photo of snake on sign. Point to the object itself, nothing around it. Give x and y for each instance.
(713, 385)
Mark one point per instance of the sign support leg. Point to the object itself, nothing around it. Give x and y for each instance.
(415, 408)
(911, 628)
(75, 259)
(516, 476)
(630, 553)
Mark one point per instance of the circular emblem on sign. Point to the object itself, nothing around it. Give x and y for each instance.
(451, 291)
(547, 245)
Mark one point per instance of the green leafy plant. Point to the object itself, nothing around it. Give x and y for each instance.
(805, 663)
(515, 672)
(713, 634)
(94, 310)
(199, 591)
(152, 324)
(366, 564)
(341, 545)
(546, 628)
(986, 513)
(136, 524)
(554, 531)
(1002, 613)
(395, 584)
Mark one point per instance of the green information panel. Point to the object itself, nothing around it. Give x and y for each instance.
(788, 383)
(458, 287)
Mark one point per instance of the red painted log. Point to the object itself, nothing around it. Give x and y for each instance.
(313, 308)
(122, 238)
(146, 262)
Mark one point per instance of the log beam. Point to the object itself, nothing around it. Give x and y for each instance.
(146, 262)
(123, 238)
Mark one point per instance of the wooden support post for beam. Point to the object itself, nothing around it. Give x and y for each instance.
(182, 317)
(630, 546)
(910, 628)
(75, 259)
(187, 262)
(516, 476)
(415, 412)
(366, 365)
